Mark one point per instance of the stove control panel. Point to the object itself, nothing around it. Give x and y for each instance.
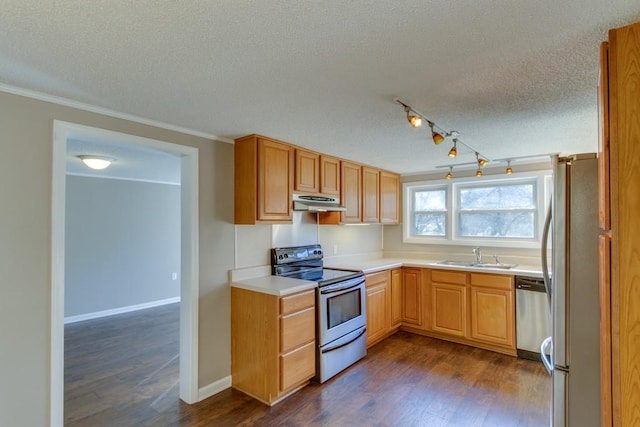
(295, 254)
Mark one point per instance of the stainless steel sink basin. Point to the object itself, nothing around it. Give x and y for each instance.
(474, 264)
(457, 263)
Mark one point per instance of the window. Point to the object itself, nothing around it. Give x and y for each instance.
(429, 212)
(504, 211)
(497, 210)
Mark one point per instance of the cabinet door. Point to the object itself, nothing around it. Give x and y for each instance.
(389, 198)
(297, 366)
(492, 316)
(604, 189)
(449, 309)
(297, 329)
(411, 296)
(329, 175)
(275, 180)
(307, 172)
(370, 191)
(351, 192)
(396, 297)
(376, 312)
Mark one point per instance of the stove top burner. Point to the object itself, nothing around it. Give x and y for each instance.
(305, 262)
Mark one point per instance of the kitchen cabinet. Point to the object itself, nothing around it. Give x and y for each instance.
(412, 297)
(396, 298)
(389, 198)
(273, 347)
(307, 172)
(263, 180)
(619, 197)
(370, 195)
(351, 192)
(449, 303)
(378, 306)
(329, 175)
(492, 309)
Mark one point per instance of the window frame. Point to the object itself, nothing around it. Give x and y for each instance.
(542, 189)
(447, 211)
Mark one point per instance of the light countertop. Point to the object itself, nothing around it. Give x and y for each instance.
(274, 285)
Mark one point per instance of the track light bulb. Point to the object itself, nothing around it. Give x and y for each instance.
(482, 162)
(509, 170)
(449, 174)
(478, 172)
(454, 151)
(414, 120)
(437, 138)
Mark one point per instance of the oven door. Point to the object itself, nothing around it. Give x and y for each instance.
(341, 309)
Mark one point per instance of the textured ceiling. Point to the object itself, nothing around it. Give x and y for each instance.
(514, 78)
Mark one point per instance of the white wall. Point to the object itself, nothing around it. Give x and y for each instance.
(122, 243)
(26, 138)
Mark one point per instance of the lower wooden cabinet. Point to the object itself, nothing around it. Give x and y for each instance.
(492, 309)
(449, 309)
(412, 296)
(378, 306)
(396, 297)
(273, 346)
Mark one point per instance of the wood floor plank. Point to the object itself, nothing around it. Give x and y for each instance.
(123, 371)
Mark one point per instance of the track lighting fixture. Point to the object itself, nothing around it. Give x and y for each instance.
(437, 137)
(478, 173)
(454, 150)
(449, 174)
(438, 134)
(414, 120)
(509, 169)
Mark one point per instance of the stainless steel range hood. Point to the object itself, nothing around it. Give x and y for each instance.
(317, 204)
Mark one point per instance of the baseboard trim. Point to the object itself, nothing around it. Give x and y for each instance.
(214, 388)
(119, 310)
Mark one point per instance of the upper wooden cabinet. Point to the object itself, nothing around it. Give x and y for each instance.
(370, 195)
(389, 198)
(329, 175)
(263, 180)
(307, 172)
(351, 192)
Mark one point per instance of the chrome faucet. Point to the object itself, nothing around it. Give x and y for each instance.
(478, 255)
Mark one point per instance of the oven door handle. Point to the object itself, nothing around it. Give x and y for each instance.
(337, 346)
(339, 288)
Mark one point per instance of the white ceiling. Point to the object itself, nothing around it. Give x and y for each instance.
(514, 77)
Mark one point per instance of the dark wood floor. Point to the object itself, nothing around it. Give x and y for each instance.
(406, 380)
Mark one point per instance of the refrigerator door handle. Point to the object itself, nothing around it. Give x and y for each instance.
(547, 361)
(545, 266)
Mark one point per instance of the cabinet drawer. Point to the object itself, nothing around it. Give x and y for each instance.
(444, 276)
(297, 366)
(297, 302)
(496, 281)
(297, 329)
(373, 279)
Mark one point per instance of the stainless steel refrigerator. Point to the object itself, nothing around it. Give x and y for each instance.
(572, 283)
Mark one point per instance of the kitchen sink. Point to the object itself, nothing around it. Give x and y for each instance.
(478, 265)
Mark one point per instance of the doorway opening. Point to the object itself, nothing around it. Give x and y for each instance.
(188, 328)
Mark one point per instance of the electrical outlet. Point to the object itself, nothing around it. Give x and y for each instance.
(174, 276)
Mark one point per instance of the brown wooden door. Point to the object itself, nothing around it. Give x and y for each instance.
(396, 297)
(275, 180)
(307, 172)
(389, 198)
(329, 175)
(449, 309)
(411, 296)
(492, 316)
(351, 193)
(370, 192)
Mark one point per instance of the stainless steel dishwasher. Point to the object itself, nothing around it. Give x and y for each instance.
(533, 316)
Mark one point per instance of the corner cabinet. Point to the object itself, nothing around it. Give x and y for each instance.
(389, 198)
(412, 305)
(263, 180)
(273, 347)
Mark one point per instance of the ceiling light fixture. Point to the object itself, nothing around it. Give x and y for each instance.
(414, 120)
(478, 173)
(96, 162)
(438, 135)
(509, 169)
(449, 174)
(454, 151)
(481, 162)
